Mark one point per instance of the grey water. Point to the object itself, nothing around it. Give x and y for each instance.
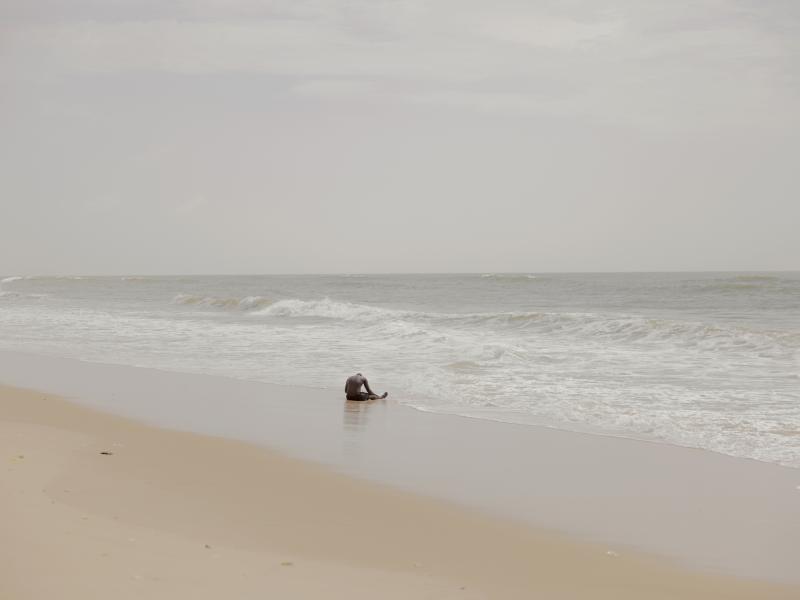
(707, 360)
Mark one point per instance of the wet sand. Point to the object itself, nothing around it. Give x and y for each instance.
(170, 514)
(698, 509)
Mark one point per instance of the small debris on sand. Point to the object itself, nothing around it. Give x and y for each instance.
(107, 453)
(287, 563)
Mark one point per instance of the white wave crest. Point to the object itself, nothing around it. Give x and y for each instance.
(9, 294)
(519, 277)
(626, 329)
(636, 329)
(43, 278)
(330, 309)
(756, 278)
(246, 303)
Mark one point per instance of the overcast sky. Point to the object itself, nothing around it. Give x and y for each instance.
(245, 136)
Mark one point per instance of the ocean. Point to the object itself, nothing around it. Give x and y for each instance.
(705, 360)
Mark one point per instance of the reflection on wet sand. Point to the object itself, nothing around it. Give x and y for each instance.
(355, 414)
(354, 423)
(355, 418)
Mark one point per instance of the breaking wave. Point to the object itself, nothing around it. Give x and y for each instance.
(755, 278)
(330, 309)
(138, 278)
(518, 277)
(616, 328)
(738, 284)
(46, 278)
(246, 303)
(10, 294)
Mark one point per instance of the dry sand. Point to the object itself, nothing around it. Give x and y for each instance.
(174, 515)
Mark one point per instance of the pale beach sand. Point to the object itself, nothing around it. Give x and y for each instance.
(171, 514)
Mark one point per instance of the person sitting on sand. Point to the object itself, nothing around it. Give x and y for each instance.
(352, 388)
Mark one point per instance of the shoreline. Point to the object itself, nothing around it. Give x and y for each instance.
(520, 421)
(578, 430)
(569, 352)
(700, 510)
(171, 512)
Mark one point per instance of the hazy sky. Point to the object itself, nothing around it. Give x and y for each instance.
(248, 136)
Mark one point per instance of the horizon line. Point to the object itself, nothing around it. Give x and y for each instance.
(401, 273)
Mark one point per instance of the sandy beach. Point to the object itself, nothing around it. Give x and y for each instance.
(167, 514)
(550, 247)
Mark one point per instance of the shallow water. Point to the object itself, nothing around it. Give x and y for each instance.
(707, 360)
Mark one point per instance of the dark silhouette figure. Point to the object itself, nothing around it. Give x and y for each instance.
(352, 388)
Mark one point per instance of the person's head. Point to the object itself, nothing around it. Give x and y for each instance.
(359, 374)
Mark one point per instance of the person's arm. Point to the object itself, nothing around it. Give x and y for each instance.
(369, 390)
